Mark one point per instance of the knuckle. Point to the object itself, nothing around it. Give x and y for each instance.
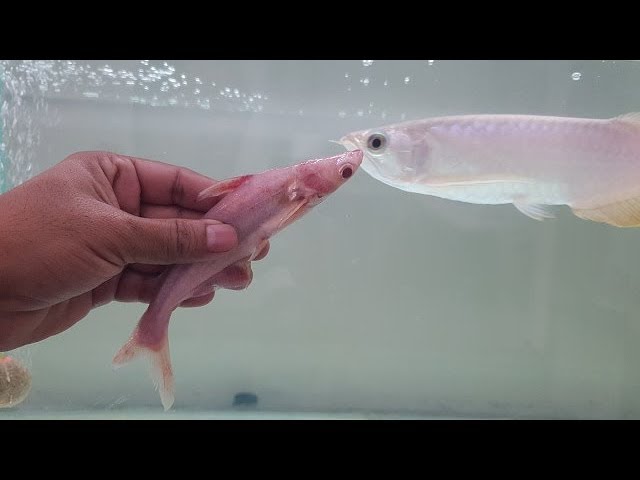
(88, 157)
(184, 241)
(177, 188)
(123, 236)
(95, 161)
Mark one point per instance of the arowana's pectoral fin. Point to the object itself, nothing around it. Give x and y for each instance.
(535, 211)
(222, 188)
(625, 213)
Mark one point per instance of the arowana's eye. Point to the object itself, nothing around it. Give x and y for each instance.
(376, 142)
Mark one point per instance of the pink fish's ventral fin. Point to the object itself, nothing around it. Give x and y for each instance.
(222, 188)
(537, 212)
(625, 213)
(161, 371)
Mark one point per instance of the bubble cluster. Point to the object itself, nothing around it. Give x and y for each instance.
(151, 83)
(27, 87)
(23, 111)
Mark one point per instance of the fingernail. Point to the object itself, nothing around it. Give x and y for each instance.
(221, 238)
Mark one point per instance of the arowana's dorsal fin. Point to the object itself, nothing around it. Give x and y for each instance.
(624, 213)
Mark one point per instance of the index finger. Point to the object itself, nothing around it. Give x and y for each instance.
(165, 184)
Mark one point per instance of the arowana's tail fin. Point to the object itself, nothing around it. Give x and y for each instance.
(158, 353)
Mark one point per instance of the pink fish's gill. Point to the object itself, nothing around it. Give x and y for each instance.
(258, 206)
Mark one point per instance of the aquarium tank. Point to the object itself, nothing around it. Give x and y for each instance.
(381, 302)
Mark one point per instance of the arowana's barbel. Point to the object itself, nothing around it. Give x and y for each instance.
(591, 165)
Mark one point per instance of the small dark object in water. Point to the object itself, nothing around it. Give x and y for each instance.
(244, 399)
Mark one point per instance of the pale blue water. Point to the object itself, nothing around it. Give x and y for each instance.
(380, 303)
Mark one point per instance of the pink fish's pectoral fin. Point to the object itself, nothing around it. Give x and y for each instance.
(161, 371)
(624, 213)
(296, 211)
(535, 211)
(222, 188)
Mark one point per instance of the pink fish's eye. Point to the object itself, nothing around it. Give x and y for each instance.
(346, 171)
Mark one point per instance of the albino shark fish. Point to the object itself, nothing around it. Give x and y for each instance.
(258, 206)
(591, 165)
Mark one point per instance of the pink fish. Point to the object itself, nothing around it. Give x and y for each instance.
(591, 165)
(258, 206)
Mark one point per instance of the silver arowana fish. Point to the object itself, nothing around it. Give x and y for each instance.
(591, 165)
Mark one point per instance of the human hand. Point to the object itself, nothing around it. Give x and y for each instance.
(94, 228)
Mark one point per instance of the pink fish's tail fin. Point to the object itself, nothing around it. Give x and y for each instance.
(158, 354)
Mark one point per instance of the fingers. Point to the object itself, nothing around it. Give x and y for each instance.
(263, 252)
(169, 241)
(144, 268)
(235, 277)
(164, 184)
(163, 211)
(135, 286)
(157, 269)
(138, 287)
(198, 301)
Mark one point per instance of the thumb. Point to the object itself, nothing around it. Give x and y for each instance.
(175, 240)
